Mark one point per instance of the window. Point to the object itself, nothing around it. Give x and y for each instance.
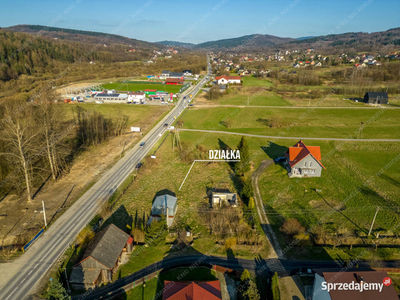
(312, 172)
(305, 164)
(305, 171)
(310, 164)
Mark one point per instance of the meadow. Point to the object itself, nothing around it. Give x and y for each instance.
(138, 115)
(134, 87)
(297, 122)
(349, 167)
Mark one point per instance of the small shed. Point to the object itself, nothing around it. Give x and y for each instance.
(376, 98)
(164, 205)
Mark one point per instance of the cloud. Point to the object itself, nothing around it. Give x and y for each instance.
(149, 22)
(100, 23)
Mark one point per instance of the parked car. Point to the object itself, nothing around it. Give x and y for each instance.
(280, 159)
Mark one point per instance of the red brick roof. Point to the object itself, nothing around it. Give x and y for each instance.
(300, 151)
(228, 77)
(192, 290)
(179, 80)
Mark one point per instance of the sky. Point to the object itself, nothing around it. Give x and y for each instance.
(199, 21)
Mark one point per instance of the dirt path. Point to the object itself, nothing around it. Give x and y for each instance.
(201, 105)
(291, 137)
(276, 251)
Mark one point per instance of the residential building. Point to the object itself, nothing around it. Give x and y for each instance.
(304, 161)
(223, 196)
(177, 290)
(228, 79)
(101, 259)
(376, 98)
(351, 278)
(166, 205)
(187, 72)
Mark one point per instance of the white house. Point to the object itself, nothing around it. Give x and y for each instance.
(228, 79)
(136, 97)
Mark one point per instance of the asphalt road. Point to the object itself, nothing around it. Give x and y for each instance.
(38, 259)
(259, 266)
(292, 137)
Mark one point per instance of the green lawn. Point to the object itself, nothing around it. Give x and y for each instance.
(264, 98)
(303, 122)
(142, 86)
(350, 191)
(143, 293)
(256, 81)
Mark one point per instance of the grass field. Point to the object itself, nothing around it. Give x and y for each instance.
(347, 170)
(303, 122)
(255, 81)
(264, 98)
(133, 87)
(138, 115)
(350, 192)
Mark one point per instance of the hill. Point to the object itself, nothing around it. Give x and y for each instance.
(22, 54)
(253, 40)
(177, 44)
(357, 41)
(81, 36)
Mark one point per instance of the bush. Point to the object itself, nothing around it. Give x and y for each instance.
(292, 227)
(230, 243)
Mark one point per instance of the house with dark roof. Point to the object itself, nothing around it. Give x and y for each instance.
(376, 98)
(164, 205)
(101, 259)
(303, 161)
(348, 285)
(199, 290)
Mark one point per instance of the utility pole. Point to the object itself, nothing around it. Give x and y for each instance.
(373, 221)
(44, 215)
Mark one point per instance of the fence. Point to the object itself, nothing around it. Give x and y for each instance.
(28, 244)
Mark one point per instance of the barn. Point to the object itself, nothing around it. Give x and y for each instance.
(376, 98)
(174, 81)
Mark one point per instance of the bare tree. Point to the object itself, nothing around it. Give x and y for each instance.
(20, 137)
(49, 118)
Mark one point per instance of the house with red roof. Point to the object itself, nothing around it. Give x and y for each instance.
(228, 79)
(304, 161)
(199, 290)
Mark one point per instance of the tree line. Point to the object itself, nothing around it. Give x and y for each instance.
(37, 141)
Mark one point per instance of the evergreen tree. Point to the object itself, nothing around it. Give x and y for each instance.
(251, 203)
(275, 287)
(156, 232)
(57, 291)
(251, 293)
(248, 289)
(244, 164)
